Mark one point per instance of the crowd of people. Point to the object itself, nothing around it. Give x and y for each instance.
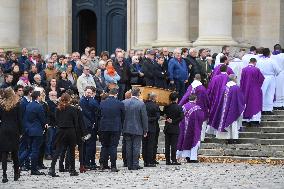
(50, 105)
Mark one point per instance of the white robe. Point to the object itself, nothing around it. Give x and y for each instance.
(233, 129)
(217, 61)
(192, 153)
(237, 65)
(270, 69)
(246, 58)
(279, 101)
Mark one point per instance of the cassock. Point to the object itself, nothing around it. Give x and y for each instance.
(218, 57)
(251, 82)
(217, 70)
(232, 107)
(270, 70)
(279, 95)
(215, 91)
(237, 65)
(200, 91)
(190, 131)
(246, 58)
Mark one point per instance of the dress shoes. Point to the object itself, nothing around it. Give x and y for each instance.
(37, 173)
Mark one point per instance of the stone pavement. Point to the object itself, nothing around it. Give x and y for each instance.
(201, 176)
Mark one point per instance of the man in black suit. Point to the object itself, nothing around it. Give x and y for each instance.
(174, 115)
(112, 117)
(148, 68)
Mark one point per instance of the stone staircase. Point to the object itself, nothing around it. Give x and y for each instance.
(254, 143)
(263, 142)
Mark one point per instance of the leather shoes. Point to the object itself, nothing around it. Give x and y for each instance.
(150, 165)
(168, 163)
(52, 173)
(114, 169)
(193, 161)
(176, 163)
(74, 173)
(37, 173)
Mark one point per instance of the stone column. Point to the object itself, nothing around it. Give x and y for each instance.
(10, 23)
(215, 23)
(146, 22)
(173, 24)
(59, 26)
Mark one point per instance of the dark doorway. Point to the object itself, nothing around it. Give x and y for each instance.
(100, 24)
(87, 30)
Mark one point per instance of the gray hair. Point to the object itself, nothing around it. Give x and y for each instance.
(152, 96)
(135, 91)
(232, 77)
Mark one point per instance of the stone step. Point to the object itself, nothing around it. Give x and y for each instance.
(241, 152)
(263, 129)
(242, 146)
(261, 135)
(248, 141)
(240, 159)
(272, 117)
(272, 124)
(278, 112)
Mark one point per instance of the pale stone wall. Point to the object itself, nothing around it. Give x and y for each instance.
(9, 23)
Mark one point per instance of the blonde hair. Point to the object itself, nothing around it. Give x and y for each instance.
(9, 99)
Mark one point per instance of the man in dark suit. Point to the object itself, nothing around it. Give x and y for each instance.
(148, 144)
(174, 115)
(112, 117)
(160, 73)
(35, 122)
(148, 67)
(134, 128)
(90, 111)
(24, 141)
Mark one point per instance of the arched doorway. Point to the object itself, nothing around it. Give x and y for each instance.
(99, 23)
(87, 29)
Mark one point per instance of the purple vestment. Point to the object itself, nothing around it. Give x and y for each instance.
(217, 71)
(251, 82)
(190, 126)
(232, 106)
(215, 93)
(202, 98)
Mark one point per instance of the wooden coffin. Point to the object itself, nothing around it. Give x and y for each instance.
(162, 94)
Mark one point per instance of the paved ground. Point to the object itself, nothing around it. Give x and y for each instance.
(202, 175)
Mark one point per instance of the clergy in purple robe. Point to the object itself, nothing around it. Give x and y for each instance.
(217, 70)
(200, 91)
(232, 108)
(251, 82)
(215, 92)
(190, 131)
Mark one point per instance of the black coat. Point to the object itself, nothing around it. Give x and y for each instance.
(135, 78)
(160, 75)
(153, 112)
(148, 69)
(174, 112)
(67, 118)
(196, 68)
(51, 113)
(10, 129)
(123, 72)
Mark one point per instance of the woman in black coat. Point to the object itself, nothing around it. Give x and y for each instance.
(66, 118)
(10, 131)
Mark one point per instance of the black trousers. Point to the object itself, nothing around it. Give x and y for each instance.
(171, 147)
(109, 141)
(5, 159)
(156, 143)
(65, 139)
(148, 145)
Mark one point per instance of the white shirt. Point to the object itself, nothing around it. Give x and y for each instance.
(268, 66)
(246, 58)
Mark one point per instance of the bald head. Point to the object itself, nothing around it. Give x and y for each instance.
(197, 77)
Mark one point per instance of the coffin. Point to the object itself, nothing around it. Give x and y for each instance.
(162, 94)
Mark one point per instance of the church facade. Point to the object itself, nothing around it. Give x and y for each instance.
(69, 25)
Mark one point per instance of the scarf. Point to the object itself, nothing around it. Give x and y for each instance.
(24, 79)
(276, 52)
(110, 70)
